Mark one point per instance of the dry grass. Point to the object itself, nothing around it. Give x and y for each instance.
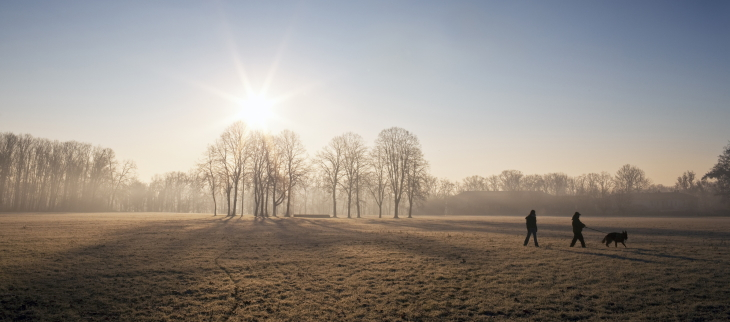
(139, 267)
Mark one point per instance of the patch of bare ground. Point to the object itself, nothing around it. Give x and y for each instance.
(141, 267)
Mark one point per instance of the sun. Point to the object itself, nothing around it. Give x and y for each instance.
(252, 105)
(257, 111)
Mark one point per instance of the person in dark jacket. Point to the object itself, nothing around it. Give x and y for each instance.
(577, 230)
(531, 228)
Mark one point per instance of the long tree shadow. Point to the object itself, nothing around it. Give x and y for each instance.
(651, 252)
(128, 274)
(410, 242)
(608, 255)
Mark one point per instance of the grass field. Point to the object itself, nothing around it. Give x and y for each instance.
(150, 266)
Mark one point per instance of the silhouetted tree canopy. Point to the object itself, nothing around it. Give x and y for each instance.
(721, 172)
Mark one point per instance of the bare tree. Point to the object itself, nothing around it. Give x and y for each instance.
(721, 173)
(233, 149)
(330, 163)
(360, 156)
(494, 183)
(98, 176)
(306, 184)
(224, 170)
(572, 186)
(417, 176)
(686, 182)
(533, 182)
(294, 157)
(260, 146)
(556, 183)
(399, 148)
(277, 177)
(21, 165)
(581, 184)
(510, 180)
(7, 152)
(207, 170)
(605, 184)
(474, 183)
(377, 177)
(446, 189)
(120, 176)
(353, 164)
(630, 179)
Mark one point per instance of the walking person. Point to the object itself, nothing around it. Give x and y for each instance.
(531, 228)
(577, 230)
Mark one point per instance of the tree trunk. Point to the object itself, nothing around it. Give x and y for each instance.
(228, 201)
(288, 202)
(349, 203)
(215, 206)
(243, 194)
(396, 201)
(306, 195)
(266, 202)
(273, 199)
(235, 198)
(410, 208)
(357, 201)
(255, 199)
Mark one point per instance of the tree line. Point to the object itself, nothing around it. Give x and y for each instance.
(250, 171)
(604, 191)
(42, 175)
(276, 169)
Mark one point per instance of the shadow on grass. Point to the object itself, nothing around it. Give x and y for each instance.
(608, 255)
(649, 252)
(129, 274)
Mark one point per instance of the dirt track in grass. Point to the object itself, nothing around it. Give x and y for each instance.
(193, 267)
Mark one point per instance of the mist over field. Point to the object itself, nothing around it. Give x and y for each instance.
(364, 161)
(252, 172)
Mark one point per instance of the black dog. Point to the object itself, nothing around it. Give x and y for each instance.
(616, 238)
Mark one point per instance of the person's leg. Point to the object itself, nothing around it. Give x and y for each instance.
(527, 239)
(575, 238)
(582, 242)
(534, 236)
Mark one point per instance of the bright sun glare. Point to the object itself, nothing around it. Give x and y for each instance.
(256, 111)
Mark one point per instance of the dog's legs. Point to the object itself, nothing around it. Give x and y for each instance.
(624, 245)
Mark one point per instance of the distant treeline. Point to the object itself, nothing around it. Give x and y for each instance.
(42, 175)
(625, 192)
(253, 172)
(38, 174)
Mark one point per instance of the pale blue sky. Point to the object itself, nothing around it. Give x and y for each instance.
(538, 86)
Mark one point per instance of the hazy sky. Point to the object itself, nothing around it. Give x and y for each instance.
(537, 86)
